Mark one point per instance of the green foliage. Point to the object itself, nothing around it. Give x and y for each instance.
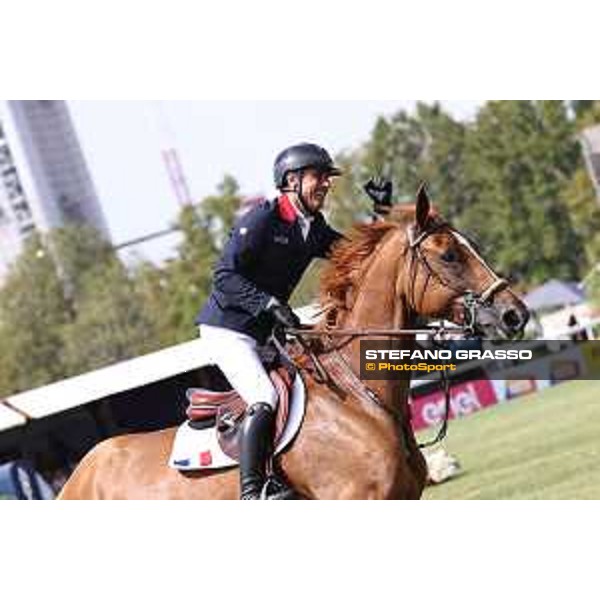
(33, 310)
(506, 177)
(443, 161)
(520, 156)
(70, 305)
(592, 286)
(396, 150)
(347, 203)
(514, 177)
(78, 250)
(205, 228)
(218, 213)
(587, 112)
(151, 288)
(427, 146)
(111, 323)
(580, 199)
(189, 277)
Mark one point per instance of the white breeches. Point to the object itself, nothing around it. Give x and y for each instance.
(235, 354)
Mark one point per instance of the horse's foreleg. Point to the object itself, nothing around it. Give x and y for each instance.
(417, 463)
(341, 453)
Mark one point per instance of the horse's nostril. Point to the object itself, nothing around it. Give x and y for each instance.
(512, 319)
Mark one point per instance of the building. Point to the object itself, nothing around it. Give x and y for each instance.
(44, 180)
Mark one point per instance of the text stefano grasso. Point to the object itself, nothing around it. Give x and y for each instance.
(499, 354)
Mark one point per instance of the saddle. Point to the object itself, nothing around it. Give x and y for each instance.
(226, 410)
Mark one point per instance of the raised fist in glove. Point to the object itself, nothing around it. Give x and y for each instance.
(380, 190)
(285, 316)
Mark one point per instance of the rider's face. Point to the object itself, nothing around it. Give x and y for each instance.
(315, 187)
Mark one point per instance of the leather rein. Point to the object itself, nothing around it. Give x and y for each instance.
(472, 301)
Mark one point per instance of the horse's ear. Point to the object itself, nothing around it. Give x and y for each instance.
(423, 206)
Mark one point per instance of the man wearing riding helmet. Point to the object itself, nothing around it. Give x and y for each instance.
(267, 253)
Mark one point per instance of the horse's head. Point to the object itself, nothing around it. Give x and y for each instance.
(446, 277)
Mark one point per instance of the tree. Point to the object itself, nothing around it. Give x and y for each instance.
(220, 211)
(593, 288)
(151, 288)
(69, 306)
(520, 155)
(443, 161)
(396, 150)
(77, 249)
(409, 149)
(111, 323)
(579, 194)
(205, 229)
(587, 112)
(33, 311)
(347, 203)
(580, 199)
(427, 146)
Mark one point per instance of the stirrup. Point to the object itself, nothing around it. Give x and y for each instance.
(275, 489)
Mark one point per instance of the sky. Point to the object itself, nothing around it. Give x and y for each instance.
(122, 143)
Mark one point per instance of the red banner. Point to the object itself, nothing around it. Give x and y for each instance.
(465, 399)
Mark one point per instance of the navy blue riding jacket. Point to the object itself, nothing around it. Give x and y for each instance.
(265, 257)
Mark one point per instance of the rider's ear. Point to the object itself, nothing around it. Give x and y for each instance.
(423, 207)
(292, 180)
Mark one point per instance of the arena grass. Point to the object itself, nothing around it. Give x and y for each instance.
(542, 446)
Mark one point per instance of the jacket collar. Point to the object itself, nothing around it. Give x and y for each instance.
(286, 210)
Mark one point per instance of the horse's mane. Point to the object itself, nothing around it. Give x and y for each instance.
(348, 256)
(344, 266)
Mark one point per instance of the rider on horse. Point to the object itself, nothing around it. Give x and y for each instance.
(269, 250)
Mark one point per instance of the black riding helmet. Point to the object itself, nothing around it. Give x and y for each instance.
(299, 157)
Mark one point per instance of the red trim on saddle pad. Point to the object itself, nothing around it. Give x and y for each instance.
(205, 459)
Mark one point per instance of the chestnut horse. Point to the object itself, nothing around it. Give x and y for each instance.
(349, 446)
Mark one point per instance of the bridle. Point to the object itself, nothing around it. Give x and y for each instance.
(473, 302)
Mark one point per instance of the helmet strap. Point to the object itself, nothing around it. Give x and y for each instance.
(299, 192)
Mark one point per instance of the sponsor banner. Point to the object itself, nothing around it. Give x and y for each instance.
(466, 398)
(509, 389)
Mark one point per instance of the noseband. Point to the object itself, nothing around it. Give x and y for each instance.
(473, 301)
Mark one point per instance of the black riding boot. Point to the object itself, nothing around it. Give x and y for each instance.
(255, 450)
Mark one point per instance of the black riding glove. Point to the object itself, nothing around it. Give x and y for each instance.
(285, 316)
(380, 190)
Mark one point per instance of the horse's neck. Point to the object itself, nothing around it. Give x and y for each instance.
(378, 304)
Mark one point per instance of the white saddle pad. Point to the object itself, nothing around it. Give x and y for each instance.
(198, 449)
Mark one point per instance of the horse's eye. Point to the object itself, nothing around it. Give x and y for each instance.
(449, 256)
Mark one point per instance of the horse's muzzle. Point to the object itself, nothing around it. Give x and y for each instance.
(513, 319)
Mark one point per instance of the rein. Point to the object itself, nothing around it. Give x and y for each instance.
(378, 332)
(396, 415)
(471, 300)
